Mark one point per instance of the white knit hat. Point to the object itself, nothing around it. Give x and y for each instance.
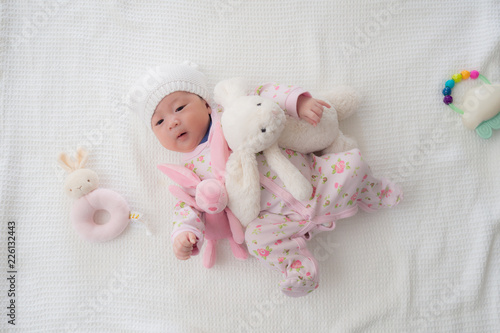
(160, 81)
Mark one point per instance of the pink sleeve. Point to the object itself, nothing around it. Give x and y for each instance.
(186, 218)
(285, 95)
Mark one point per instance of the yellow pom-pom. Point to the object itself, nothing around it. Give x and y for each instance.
(465, 75)
(457, 77)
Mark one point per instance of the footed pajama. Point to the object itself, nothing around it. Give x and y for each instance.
(342, 182)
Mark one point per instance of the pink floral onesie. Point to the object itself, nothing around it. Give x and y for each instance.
(342, 183)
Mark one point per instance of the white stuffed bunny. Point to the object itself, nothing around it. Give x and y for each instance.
(252, 124)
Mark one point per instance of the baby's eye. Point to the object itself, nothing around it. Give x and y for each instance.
(159, 122)
(259, 104)
(179, 108)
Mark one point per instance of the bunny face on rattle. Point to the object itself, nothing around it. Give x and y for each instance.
(81, 182)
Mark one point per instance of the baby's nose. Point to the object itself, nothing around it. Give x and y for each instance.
(174, 123)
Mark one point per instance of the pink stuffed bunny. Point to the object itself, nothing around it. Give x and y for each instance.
(210, 196)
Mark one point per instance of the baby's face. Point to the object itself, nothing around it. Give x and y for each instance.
(180, 121)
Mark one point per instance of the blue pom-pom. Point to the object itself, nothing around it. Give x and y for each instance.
(450, 84)
(447, 91)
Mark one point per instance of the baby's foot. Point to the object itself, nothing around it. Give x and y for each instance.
(390, 194)
(384, 195)
(300, 278)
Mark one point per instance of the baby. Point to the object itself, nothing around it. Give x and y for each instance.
(174, 103)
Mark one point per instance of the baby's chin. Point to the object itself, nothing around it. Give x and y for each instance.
(185, 145)
(183, 150)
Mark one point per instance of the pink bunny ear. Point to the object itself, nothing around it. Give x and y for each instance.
(183, 196)
(220, 151)
(179, 174)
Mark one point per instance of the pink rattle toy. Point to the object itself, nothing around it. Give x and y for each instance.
(210, 197)
(82, 184)
(481, 107)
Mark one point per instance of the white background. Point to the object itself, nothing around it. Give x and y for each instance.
(429, 265)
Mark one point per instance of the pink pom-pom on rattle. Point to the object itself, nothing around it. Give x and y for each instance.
(474, 74)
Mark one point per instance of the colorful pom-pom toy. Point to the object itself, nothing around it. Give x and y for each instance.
(481, 107)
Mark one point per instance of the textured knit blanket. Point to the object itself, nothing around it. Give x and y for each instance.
(429, 265)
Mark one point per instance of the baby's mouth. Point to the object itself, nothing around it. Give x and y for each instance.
(181, 135)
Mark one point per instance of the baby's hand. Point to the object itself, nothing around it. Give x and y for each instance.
(183, 245)
(310, 109)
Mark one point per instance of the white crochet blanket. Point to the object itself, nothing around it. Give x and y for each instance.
(429, 265)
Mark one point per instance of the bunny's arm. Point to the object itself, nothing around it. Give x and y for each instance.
(285, 95)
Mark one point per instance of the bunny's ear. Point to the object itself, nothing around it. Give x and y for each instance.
(243, 186)
(65, 162)
(81, 158)
(219, 151)
(226, 91)
(181, 175)
(183, 196)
